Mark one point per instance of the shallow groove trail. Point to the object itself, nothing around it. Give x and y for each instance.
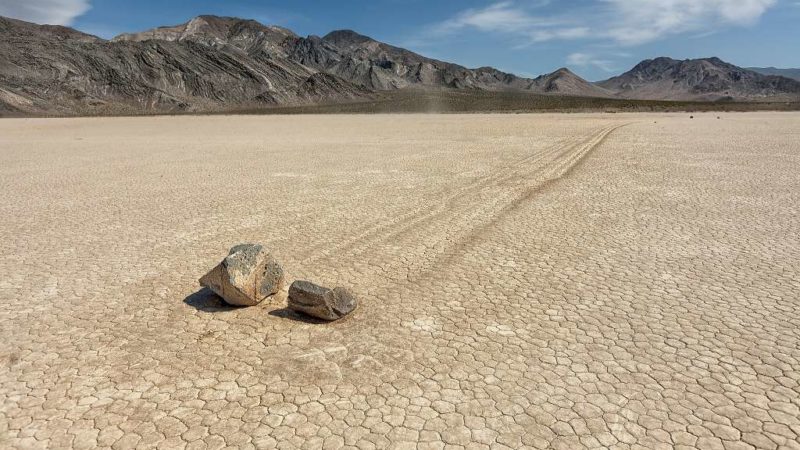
(382, 229)
(419, 242)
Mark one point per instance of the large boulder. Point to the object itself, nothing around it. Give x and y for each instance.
(320, 302)
(248, 275)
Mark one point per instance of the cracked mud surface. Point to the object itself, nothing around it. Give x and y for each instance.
(542, 281)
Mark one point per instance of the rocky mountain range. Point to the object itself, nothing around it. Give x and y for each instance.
(62, 71)
(219, 63)
(708, 79)
(354, 57)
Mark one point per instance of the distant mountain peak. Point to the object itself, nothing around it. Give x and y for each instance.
(698, 79)
(208, 29)
(346, 37)
(213, 17)
(564, 81)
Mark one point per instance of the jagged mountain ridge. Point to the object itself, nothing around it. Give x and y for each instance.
(699, 79)
(380, 66)
(343, 53)
(248, 36)
(58, 70)
(215, 63)
(365, 61)
(219, 63)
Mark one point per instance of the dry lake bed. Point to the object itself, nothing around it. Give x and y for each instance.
(538, 281)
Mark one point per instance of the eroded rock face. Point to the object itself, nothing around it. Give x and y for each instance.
(248, 275)
(320, 302)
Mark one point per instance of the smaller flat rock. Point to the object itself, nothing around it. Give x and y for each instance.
(320, 302)
(248, 275)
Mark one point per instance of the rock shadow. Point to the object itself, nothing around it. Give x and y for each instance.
(286, 313)
(207, 301)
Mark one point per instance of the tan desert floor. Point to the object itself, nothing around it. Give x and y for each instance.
(547, 281)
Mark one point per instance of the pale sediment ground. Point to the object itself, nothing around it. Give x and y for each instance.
(546, 281)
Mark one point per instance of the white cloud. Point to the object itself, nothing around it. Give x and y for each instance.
(648, 20)
(501, 17)
(586, 60)
(508, 18)
(626, 22)
(52, 12)
(561, 33)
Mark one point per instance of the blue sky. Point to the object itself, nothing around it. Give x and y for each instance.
(595, 38)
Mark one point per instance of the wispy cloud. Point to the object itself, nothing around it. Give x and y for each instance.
(649, 20)
(508, 18)
(499, 17)
(565, 33)
(580, 59)
(53, 12)
(623, 22)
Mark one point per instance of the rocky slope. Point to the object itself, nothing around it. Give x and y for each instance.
(227, 33)
(61, 71)
(380, 66)
(219, 63)
(699, 79)
(343, 53)
(563, 81)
